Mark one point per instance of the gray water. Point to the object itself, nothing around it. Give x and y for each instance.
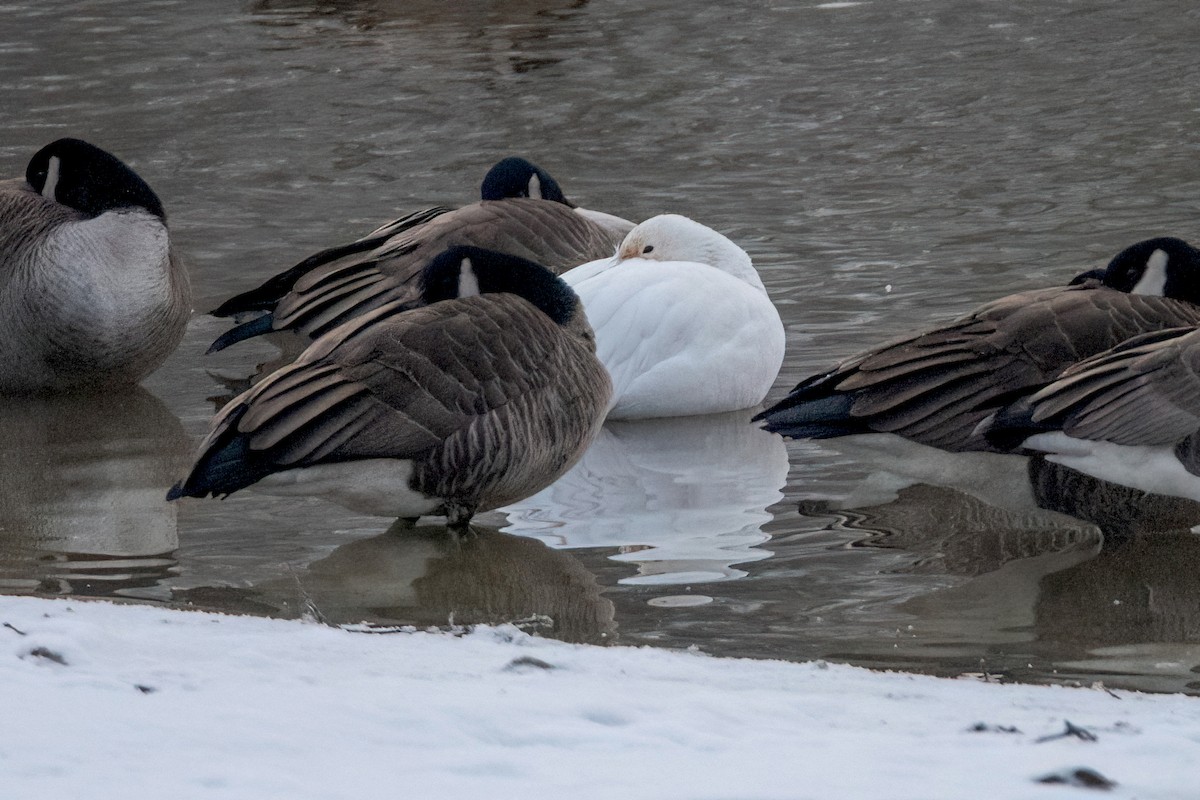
(887, 165)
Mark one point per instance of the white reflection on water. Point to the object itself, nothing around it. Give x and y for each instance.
(684, 498)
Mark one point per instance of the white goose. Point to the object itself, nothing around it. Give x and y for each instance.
(683, 323)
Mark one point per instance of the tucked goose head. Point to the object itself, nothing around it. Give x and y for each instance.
(1164, 266)
(671, 237)
(84, 177)
(468, 271)
(516, 177)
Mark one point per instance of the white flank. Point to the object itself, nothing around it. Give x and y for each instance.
(1151, 469)
(376, 486)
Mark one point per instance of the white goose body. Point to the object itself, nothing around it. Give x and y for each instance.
(685, 328)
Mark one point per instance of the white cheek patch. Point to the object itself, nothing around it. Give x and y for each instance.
(1154, 281)
(535, 187)
(468, 283)
(51, 178)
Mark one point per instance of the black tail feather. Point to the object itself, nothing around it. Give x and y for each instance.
(247, 330)
(1009, 427)
(803, 416)
(225, 465)
(275, 288)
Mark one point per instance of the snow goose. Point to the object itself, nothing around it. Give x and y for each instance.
(523, 212)
(937, 386)
(478, 399)
(1130, 415)
(683, 322)
(91, 292)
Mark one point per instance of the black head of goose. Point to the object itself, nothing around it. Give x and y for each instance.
(518, 177)
(523, 212)
(937, 386)
(481, 397)
(91, 292)
(1129, 415)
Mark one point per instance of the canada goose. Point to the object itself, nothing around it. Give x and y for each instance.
(1130, 415)
(683, 322)
(522, 212)
(91, 292)
(936, 387)
(478, 399)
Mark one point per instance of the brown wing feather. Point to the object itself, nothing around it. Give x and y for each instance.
(1145, 395)
(440, 384)
(937, 386)
(542, 231)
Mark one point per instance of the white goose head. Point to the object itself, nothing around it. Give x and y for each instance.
(671, 237)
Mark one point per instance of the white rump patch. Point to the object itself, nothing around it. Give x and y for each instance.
(1153, 469)
(535, 187)
(375, 486)
(468, 283)
(51, 178)
(1154, 281)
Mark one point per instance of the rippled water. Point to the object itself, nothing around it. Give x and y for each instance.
(886, 164)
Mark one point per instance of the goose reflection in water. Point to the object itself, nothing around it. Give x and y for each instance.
(1136, 604)
(81, 506)
(425, 575)
(1120, 511)
(684, 498)
(1114, 591)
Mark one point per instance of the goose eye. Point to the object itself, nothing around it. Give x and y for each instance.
(648, 249)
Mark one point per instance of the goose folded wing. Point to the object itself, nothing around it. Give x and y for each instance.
(268, 295)
(542, 231)
(1146, 392)
(936, 387)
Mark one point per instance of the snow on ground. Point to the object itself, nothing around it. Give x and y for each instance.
(122, 701)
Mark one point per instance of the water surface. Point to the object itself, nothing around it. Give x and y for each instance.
(887, 164)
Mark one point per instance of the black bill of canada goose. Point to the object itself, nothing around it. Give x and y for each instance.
(936, 387)
(523, 212)
(1130, 415)
(478, 399)
(92, 294)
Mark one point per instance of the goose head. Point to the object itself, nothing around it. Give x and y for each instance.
(516, 177)
(1163, 266)
(469, 271)
(671, 237)
(88, 179)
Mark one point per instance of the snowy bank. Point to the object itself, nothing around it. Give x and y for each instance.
(121, 701)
